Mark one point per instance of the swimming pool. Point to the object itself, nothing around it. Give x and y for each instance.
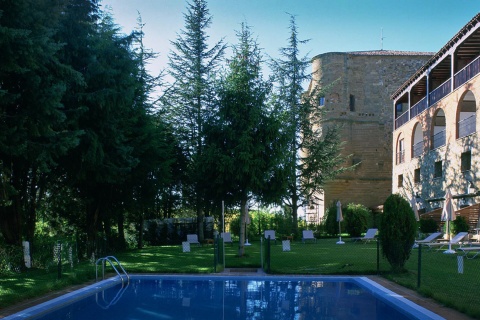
(229, 297)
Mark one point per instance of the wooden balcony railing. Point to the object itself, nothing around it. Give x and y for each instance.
(400, 121)
(467, 73)
(440, 92)
(418, 107)
(461, 77)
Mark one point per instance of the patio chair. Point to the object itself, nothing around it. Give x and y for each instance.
(271, 234)
(308, 235)
(369, 236)
(440, 244)
(430, 238)
(193, 239)
(475, 249)
(227, 237)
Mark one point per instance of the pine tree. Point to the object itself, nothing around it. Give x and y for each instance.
(312, 151)
(242, 148)
(193, 65)
(33, 81)
(104, 157)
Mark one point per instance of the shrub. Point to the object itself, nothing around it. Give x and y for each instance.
(331, 224)
(397, 231)
(357, 219)
(428, 226)
(460, 224)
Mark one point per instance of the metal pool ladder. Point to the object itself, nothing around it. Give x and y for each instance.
(109, 259)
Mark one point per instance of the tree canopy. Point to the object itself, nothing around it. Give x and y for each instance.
(92, 144)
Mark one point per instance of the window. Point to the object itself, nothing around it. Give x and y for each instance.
(352, 102)
(416, 175)
(321, 102)
(400, 180)
(466, 161)
(438, 169)
(401, 151)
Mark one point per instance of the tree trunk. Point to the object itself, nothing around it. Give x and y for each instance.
(11, 214)
(294, 213)
(140, 231)
(92, 229)
(121, 231)
(243, 215)
(11, 223)
(31, 205)
(200, 218)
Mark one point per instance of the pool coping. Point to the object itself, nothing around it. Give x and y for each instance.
(392, 292)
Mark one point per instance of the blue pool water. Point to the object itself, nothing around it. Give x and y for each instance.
(222, 297)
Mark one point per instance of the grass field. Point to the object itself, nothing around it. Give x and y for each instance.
(439, 273)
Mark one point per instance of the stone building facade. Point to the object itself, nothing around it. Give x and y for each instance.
(358, 89)
(436, 144)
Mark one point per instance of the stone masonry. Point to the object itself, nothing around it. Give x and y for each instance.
(358, 88)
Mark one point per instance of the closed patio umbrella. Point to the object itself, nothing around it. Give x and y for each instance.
(447, 215)
(339, 219)
(413, 203)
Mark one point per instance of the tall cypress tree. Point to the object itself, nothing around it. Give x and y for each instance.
(243, 135)
(192, 65)
(312, 152)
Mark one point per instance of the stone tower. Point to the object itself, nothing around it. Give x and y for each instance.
(360, 85)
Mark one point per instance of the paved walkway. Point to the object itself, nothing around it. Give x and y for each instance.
(427, 303)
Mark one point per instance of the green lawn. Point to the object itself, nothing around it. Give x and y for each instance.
(439, 277)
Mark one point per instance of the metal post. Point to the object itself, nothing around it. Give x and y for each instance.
(268, 255)
(215, 256)
(419, 264)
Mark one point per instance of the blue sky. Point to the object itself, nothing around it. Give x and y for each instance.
(331, 25)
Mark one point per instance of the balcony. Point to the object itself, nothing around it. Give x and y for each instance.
(466, 126)
(467, 73)
(461, 77)
(439, 139)
(440, 92)
(418, 149)
(401, 156)
(418, 108)
(400, 121)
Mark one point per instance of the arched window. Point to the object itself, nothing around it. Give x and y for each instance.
(438, 134)
(466, 115)
(400, 150)
(417, 141)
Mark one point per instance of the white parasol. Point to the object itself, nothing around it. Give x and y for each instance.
(413, 203)
(447, 215)
(339, 219)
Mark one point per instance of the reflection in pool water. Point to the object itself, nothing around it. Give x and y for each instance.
(215, 297)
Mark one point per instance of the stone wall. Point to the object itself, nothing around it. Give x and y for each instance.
(358, 88)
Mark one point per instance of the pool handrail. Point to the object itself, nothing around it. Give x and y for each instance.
(109, 260)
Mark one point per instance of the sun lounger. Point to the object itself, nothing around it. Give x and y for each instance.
(369, 236)
(474, 249)
(308, 235)
(430, 238)
(455, 240)
(227, 237)
(193, 239)
(271, 234)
